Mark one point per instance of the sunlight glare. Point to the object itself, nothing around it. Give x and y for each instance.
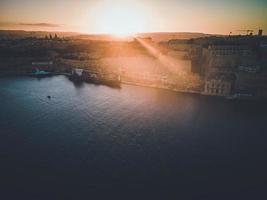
(120, 20)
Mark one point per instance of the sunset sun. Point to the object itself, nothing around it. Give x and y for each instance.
(119, 20)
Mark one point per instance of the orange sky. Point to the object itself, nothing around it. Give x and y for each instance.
(128, 16)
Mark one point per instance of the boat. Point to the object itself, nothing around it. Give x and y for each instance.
(109, 79)
(41, 73)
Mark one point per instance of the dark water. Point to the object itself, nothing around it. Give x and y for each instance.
(87, 138)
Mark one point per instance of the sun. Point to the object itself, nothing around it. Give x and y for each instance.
(119, 20)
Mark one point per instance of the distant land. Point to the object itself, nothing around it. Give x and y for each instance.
(156, 36)
(9, 34)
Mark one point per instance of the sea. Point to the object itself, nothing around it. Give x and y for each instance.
(61, 140)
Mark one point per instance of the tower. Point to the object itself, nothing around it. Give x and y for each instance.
(260, 32)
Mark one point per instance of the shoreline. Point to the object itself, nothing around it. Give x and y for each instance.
(199, 93)
(6, 74)
(163, 88)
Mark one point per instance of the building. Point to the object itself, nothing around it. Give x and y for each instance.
(227, 58)
(219, 84)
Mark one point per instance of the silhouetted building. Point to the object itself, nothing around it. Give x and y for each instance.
(260, 32)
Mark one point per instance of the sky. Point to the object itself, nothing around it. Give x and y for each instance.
(129, 16)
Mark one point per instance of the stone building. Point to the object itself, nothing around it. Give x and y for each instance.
(219, 84)
(227, 58)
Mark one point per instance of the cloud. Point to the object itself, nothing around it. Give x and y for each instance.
(39, 24)
(47, 25)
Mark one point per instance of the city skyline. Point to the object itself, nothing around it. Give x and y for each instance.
(131, 16)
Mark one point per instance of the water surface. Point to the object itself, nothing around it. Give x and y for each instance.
(90, 137)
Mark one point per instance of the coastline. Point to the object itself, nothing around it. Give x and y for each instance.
(200, 93)
(159, 87)
(14, 73)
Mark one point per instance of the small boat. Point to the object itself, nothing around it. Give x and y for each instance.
(41, 73)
